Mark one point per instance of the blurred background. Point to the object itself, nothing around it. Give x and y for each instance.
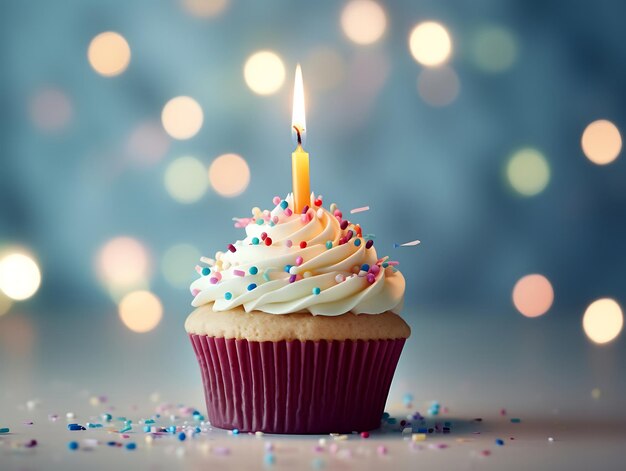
(132, 132)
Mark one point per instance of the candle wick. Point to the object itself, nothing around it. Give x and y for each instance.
(298, 134)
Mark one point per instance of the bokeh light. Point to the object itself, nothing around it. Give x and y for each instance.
(185, 180)
(438, 86)
(148, 143)
(204, 8)
(528, 172)
(264, 72)
(603, 320)
(430, 44)
(19, 276)
(229, 175)
(493, 49)
(182, 117)
(533, 295)
(5, 303)
(123, 263)
(50, 109)
(109, 53)
(601, 142)
(325, 67)
(140, 311)
(177, 264)
(363, 21)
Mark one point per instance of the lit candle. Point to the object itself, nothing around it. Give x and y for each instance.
(299, 158)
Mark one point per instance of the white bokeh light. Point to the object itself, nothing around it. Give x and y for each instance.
(603, 320)
(140, 311)
(109, 54)
(264, 72)
(182, 117)
(229, 175)
(20, 276)
(430, 44)
(363, 21)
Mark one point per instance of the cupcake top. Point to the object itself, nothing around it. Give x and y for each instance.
(315, 262)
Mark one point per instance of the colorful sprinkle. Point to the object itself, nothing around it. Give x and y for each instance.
(357, 242)
(255, 241)
(232, 248)
(131, 446)
(182, 436)
(213, 280)
(318, 202)
(287, 268)
(369, 244)
(329, 244)
(239, 273)
(276, 200)
(284, 204)
(499, 442)
(365, 434)
(413, 243)
(268, 241)
(206, 271)
(516, 420)
(251, 286)
(359, 210)
(303, 244)
(72, 446)
(288, 243)
(288, 212)
(5, 430)
(260, 222)
(253, 270)
(344, 225)
(305, 209)
(316, 291)
(228, 295)
(299, 260)
(293, 278)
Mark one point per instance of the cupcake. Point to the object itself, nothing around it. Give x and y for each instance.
(296, 327)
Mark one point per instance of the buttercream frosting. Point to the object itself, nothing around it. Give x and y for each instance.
(315, 261)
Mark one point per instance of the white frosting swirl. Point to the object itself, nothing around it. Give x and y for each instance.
(327, 277)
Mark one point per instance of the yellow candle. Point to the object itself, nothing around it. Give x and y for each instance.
(299, 158)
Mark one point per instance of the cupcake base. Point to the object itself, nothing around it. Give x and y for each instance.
(296, 387)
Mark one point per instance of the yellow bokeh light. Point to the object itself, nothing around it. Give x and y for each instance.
(325, 67)
(438, 86)
(123, 263)
(494, 49)
(533, 295)
(109, 54)
(19, 276)
(528, 172)
(182, 117)
(229, 175)
(177, 264)
(430, 44)
(363, 21)
(204, 8)
(140, 311)
(148, 143)
(603, 320)
(264, 72)
(5, 303)
(50, 109)
(601, 142)
(185, 180)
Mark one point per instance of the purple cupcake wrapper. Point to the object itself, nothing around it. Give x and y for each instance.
(296, 387)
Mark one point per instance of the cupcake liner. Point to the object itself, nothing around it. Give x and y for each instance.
(296, 386)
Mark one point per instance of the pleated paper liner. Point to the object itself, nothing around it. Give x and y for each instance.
(296, 387)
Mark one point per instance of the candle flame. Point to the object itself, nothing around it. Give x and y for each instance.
(298, 120)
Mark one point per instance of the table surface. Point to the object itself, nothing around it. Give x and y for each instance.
(542, 371)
